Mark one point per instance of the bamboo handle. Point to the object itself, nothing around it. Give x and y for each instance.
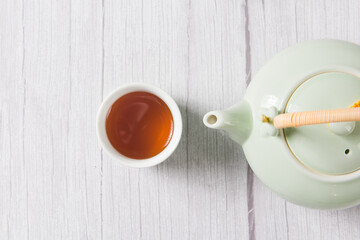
(316, 117)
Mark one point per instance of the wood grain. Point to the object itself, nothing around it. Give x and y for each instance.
(58, 59)
(14, 218)
(297, 119)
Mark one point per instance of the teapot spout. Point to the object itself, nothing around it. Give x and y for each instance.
(236, 121)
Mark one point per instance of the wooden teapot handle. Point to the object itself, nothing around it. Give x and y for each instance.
(297, 119)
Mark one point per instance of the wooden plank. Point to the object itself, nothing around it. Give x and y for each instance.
(13, 176)
(61, 85)
(274, 27)
(83, 159)
(217, 170)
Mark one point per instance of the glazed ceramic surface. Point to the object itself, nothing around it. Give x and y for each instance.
(313, 166)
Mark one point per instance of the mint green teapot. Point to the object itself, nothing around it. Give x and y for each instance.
(316, 166)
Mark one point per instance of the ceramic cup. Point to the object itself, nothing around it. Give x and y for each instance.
(101, 131)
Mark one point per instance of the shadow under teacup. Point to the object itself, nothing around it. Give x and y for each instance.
(102, 133)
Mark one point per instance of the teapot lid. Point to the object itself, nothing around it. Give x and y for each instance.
(318, 147)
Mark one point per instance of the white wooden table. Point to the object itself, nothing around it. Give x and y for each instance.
(59, 58)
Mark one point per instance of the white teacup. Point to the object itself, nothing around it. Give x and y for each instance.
(101, 130)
